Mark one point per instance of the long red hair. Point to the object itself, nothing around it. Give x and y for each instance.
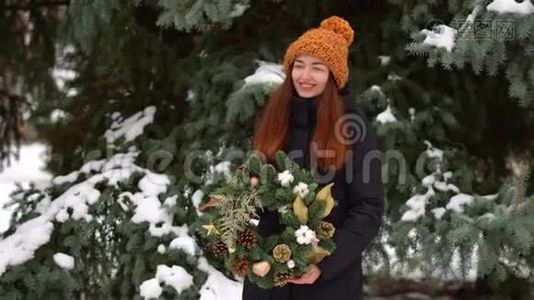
(271, 133)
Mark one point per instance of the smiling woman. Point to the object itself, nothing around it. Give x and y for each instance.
(302, 118)
(309, 75)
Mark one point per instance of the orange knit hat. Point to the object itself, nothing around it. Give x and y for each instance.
(330, 42)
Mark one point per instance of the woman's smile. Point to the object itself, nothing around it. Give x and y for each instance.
(309, 75)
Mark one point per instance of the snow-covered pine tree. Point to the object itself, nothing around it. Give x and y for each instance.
(411, 103)
(459, 235)
(90, 243)
(489, 237)
(125, 62)
(479, 34)
(104, 230)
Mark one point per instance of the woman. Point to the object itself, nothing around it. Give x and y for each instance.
(302, 117)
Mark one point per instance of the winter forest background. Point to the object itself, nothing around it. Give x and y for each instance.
(136, 107)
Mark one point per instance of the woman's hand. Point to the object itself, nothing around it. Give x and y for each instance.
(309, 277)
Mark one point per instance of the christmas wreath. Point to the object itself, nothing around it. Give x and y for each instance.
(282, 187)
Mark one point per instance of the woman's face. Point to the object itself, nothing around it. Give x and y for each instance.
(309, 75)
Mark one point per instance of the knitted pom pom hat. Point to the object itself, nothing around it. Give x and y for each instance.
(330, 42)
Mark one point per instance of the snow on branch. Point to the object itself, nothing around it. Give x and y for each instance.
(386, 116)
(266, 73)
(442, 36)
(437, 181)
(132, 127)
(511, 7)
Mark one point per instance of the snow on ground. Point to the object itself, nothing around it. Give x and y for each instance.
(28, 168)
(218, 286)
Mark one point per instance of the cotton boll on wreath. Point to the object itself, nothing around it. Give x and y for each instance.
(285, 178)
(304, 235)
(301, 189)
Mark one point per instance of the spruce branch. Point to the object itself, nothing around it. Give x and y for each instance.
(11, 109)
(470, 20)
(237, 207)
(521, 168)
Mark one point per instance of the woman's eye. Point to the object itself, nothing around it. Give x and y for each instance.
(298, 67)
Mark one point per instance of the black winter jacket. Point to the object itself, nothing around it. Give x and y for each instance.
(358, 191)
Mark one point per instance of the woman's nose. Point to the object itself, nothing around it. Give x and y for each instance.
(306, 73)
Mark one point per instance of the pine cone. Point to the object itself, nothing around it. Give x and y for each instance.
(280, 279)
(247, 238)
(218, 249)
(239, 266)
(282, 253)
(327, 229)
